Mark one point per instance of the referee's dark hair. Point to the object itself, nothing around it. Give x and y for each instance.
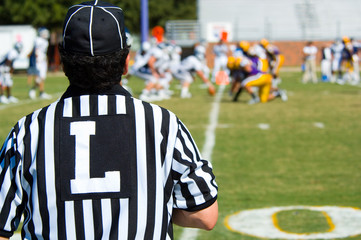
(94, 72)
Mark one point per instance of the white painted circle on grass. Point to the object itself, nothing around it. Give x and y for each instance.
(343, 221)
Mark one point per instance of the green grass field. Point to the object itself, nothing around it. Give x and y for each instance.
(309, 156)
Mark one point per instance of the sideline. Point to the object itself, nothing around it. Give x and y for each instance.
(210, 141)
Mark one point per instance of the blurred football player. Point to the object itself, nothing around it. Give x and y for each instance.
(6, 70)
(220, 51)
(349, 62)
(200, 53)
(255, 78)
(275, 60)
(309, 56)
(326, 67)
(337, 49)
(150, 68)
(41, 49)
(184, 72)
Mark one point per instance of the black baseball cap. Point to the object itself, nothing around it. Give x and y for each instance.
(94, 28)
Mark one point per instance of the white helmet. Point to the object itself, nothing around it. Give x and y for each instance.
(44, 33)
(146, 46)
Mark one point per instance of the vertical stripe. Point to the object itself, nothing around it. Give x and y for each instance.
(159, 201)
(68, 108)
(84, 105)
(151, 169)
(97, 218)
(34, 131)
(40, 166)
(76, 107)
(164, 131)
(112, 105)
(93, 99)
(106, 218)
(70, 220)
(132, 204)
(62, 230)
(102, 105)
(168, 180)
(115, 212)
(88, 219)
(121, 105)
(79, 219)
(141, 169)
(50, 171)
(29, 226)
(123, 219)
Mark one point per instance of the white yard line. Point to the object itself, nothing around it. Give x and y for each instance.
(27, 101)
(210, 141)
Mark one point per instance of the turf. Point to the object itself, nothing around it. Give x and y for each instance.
(310, 155)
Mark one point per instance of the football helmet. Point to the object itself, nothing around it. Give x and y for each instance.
(244, 45)
(264, 42)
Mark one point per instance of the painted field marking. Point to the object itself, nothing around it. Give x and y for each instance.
(264, 126)
(210, 141)
(328, 219)
(343, 222)
(319, 125)
(27, 101)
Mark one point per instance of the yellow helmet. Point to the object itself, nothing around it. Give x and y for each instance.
(230, 62)
(264, 42)
(346, 39)
(238, 62)
(244, 45)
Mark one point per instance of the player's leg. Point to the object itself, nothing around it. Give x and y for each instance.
(43, 69)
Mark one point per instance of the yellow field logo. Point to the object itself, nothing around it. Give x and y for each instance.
(342, 221)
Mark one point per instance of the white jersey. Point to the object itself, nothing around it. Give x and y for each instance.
(200, 52)
(220, 50)
(337, 49)
(141, 59)
(41, 49)
(310, 52)
(5, 76)
(191, 63)
(10, 56)
(186, 67)
(259, 51)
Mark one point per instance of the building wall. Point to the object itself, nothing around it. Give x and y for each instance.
(280, 20)
(292, 50)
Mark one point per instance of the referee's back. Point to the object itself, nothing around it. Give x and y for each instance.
(98, 163)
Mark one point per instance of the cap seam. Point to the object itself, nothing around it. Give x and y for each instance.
(66, 25)
(116, 20)
(90, 31)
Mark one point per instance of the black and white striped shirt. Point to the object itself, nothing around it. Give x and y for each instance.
(104, 166)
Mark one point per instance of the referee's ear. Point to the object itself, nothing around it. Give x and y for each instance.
(125, 70)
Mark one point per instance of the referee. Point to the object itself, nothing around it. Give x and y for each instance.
(98, 163)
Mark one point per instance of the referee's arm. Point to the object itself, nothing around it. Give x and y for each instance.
(205, 219)
(3, 238)
(195, 191)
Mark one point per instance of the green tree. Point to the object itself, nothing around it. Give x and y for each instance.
(50, 13)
